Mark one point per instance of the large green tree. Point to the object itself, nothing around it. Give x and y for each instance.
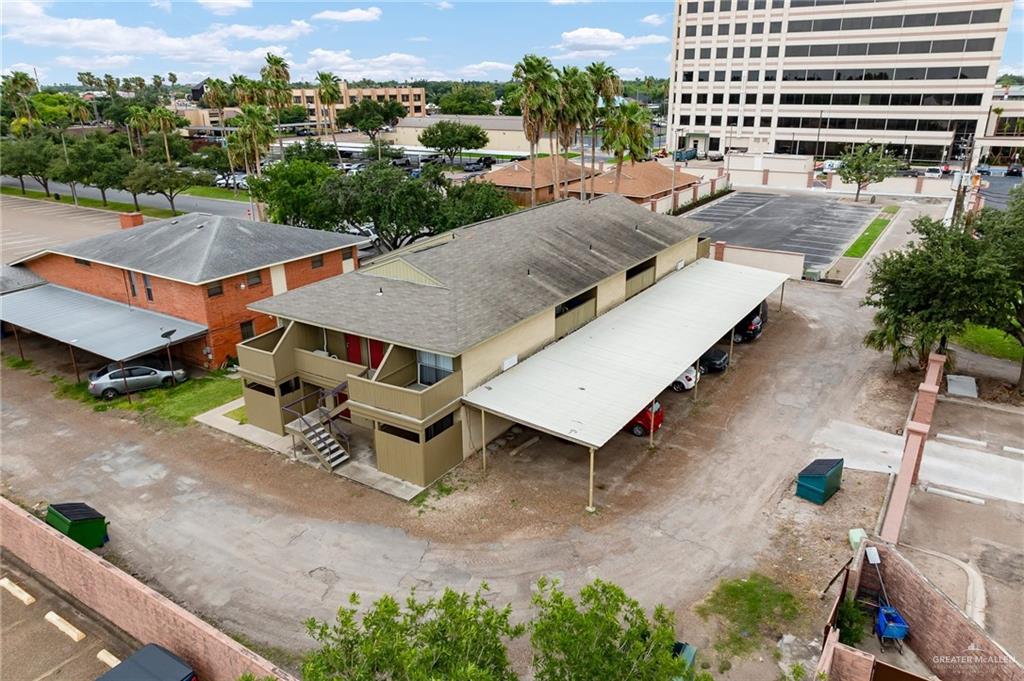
(34, 157)
(310, 150)
(370, 116)
(472, 202)
(294, 193)
(535, 79)
(865, 165)
(451, 138)
(163, 179)
(468, 100)
(604, 635)
(453, 637)
(607, 87)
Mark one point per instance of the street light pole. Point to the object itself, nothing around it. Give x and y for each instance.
(166, 335)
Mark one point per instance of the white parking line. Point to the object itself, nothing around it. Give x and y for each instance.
(106, 658)
(16, 591)
(56, 620)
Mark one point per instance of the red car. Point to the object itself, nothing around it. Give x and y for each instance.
(649, 420)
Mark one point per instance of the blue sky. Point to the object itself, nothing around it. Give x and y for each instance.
(380, 40)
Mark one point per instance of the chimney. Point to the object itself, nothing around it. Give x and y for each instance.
(719, 250)
(129, 220)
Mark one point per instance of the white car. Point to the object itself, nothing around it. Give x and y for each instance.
(686, 380)
(933, 172)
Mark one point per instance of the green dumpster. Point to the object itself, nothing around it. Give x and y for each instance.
(689, 655)
(81, 522)
(820, 480)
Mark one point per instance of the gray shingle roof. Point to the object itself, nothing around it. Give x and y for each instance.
(198, 247)
(16, 277)
(494, 274)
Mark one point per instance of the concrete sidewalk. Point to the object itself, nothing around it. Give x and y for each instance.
(945, 464)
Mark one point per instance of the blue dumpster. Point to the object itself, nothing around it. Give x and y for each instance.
(820, 480)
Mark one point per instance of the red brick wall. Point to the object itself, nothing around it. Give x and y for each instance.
(300, 272)
(132, 606)
(940, 633)
(226, 312)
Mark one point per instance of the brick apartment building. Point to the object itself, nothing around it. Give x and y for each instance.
(204, 269)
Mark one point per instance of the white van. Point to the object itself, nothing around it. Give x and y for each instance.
(832, 165)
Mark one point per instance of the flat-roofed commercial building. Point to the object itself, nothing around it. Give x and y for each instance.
(813, 76)
(414, 99)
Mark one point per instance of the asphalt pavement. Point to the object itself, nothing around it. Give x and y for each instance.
(998, 192)
(183, 202)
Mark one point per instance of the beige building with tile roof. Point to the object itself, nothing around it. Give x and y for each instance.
(641, 182)
(515, 178)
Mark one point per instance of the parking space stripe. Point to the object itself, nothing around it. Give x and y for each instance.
(16, 591)
(106, 658)
(71, 630)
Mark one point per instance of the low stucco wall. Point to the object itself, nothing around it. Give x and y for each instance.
(785, 262)
(127, 603)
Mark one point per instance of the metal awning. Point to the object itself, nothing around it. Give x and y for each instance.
(587, 386)
(97, 325)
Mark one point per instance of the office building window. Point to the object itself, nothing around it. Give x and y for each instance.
(719, 76)
(985, 16)
(724, 5)
(716, 121)
(826, 50)
(707, 29)
(688, 53)
(856, 23)
(722, 52)
(773, 51)
(768, 98)
(702, 98)
(723, 29)
(717, 98)
(705, 53)
(919, 20)
(736, 76)
(741, 29)
(766, 121)
(757, 28)
(769, 76)
(894, 21)
(700, 120)
(974, 72)
(802, 26)
(748, 121)
(943, 72)
(742, 5)
(755, 52)
(910, 99)
(910, 74)
(691, 30)
(685, 97)
(954, 18)
(775, 27)
(247, 330)
(702, 76)
(731, 121)
(753, 76)
(692, 7)
(751, 98)
(687, 76)
(709, 5)
(734, 98)
(826, 24)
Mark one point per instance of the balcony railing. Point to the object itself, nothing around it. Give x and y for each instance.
(262, 356)
(639, 282)
(575, 318)
(410, 402)
(319, 368)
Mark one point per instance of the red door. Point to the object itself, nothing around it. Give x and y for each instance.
(353, 349)
(376, 353)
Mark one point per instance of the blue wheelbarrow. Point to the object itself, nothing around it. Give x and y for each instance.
(890, 627)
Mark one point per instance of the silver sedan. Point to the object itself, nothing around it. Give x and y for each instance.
(111, 381)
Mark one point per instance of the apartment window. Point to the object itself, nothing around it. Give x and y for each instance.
(248, 331)
(757, 28)
(734, 98)
(985, 16)
(773, 51)
(416, 97)
(775, 27)
(741, 29)
(309, 100)
(214, 289)
(719, 76)
(316, 262)
(400, 432)
(856, 23)
(717, 98)
(688, 53)
(80, 261)
(707, 29)
(722, 52)
(705, 53)
(432, 367)
(751, 98)
(131, 284)
(755, 52)
(253, 278)
(702, 98)
(768, 98)
(148, 285)
(438, 427)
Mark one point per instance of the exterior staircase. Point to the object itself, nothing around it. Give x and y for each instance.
(316, 432)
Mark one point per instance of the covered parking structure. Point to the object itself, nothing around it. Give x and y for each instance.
(96, 325)
(587, 386)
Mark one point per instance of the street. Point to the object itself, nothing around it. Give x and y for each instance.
(183, 202)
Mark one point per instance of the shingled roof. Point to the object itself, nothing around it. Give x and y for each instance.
(639, 180)
(517, 174)
(198, 248)
(475, 282)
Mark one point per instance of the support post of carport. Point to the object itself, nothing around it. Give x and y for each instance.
(782, 295)
(650, 431)
(124, 377)
(590, 495)
(732, 337)
(17, 338)
(74, 363)
(483, 437)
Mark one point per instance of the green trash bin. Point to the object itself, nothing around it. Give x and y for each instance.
(81, 522)
(820, 480)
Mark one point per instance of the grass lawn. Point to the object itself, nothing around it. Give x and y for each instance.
(218, 193)
(90, 203)
(177, 405)
(992, 342)
(891, 210)
(750, 610)
(238, 415)
(860, 247)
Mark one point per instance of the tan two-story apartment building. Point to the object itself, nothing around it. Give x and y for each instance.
(392, 348)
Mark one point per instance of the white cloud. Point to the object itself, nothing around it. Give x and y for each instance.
(290, 31)
(653, 20)
(31, 69)
(419, 39)
(163, 5)
(584, 54)
(444, 4)
(630, 72)
(485, 68)
(110, 61)
(586, 40)
(393, 66)
(350, 15)
(225, 7)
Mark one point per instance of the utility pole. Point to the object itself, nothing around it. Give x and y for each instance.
(958, 206)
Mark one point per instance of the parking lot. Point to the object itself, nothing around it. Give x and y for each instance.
(821, 229)
(28, 225)
(33, 647)
(997, 194)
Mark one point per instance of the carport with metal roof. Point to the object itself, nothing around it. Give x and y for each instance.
(96, 325)
(587, 386)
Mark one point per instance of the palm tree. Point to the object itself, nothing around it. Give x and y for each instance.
(215, 96)
(607, 86)
(278, 94)
(554, 105)
(577, 112)
(256, 130)
(16, 88)
(329, 93)
(138, 118)
(998, 111)
(627, 130)
(245, 90)
(111, 84)
(536, 77)
(165, 121)
(276, 68)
